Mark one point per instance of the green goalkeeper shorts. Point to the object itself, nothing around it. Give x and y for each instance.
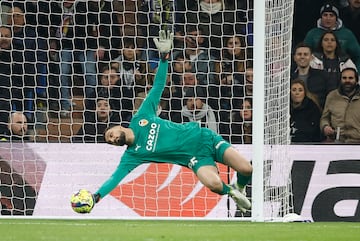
(210, 151)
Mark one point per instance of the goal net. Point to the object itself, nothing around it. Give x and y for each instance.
(277, 189)
(77, 67)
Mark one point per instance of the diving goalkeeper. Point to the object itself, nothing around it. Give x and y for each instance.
(152, 139)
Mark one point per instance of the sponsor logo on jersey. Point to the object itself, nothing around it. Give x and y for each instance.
(152, 137)
(143, 122)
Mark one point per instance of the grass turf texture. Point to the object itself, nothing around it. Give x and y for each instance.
(158, 230)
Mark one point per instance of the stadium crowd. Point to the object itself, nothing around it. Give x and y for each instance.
(102, 53)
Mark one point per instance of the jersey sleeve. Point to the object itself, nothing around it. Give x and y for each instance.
(151, 102)
(123, 169)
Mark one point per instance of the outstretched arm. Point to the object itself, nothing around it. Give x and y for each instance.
(119, 174)
(151, 102)
(164, 45)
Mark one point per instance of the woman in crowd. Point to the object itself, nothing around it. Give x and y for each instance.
(305, 113)
(330, 58)
(242, 123)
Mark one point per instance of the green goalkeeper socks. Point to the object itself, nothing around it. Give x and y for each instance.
(225, 189)
(242, 180)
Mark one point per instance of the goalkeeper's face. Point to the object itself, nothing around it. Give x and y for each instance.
(115, 136)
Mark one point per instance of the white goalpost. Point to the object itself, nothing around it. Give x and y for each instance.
(272, 195)
(38, 174)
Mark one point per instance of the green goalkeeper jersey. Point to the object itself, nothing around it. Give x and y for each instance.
(156, 139)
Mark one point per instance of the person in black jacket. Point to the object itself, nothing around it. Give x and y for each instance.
(88, 31)
(109, 86)
(305, 114)
(350, 15)
(314, 79)
(96, 122)
(330, 58)
(5, 79)
(17, 128)
(241, 126)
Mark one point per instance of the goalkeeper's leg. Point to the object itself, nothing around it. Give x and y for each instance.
(242, 166)
(208, 175)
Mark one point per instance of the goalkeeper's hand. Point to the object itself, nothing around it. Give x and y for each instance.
(96, 198)
(164, 43)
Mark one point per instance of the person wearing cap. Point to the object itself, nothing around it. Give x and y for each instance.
(196, 110)
(330, 20)
(340, 120)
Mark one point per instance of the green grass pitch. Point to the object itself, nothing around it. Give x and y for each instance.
(161, 230)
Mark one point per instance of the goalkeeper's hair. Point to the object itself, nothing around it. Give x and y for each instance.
(122, 139)
(107, 128)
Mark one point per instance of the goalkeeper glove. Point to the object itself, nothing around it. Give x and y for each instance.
(96, 197)
(164, 43)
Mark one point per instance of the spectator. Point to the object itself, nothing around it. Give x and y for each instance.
(5, 6)
(330, 59)
(94, 127)
(232, 78)
(330, 20)
(305, 114)
(163, 107)
(301, 24)
(196, 110)
(241, 127)
(351, 17)
(53, 75)
(181, 78)
(234, 57)
(131, 65)
(183, 8)
(179, 66)
(188, 81)
(5, 78)
(104, 26)
(342, 3)
(132, 68)
(202, 12)
(180, 73)
(151, 16)
(132, 20)
(314, 79)
(218, 18)
(202, 63)
(28, 60)
(29, 7)
(249, 80)
(108, 87)
(226, 96)
(87, 30)
(17, 129)
(340, 120)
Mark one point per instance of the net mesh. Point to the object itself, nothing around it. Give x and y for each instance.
(277, 188)
(77, 67)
